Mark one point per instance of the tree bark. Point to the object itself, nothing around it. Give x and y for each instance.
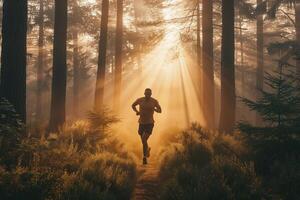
(228, 96)
(242, 56)
(76, 74)
(199, 54)
(119, 48)
(138, 44)
(260, 57)
(99, 94)
(40, 66)
(13, 59)
(297, 22)
(199, 50)
(207, 65)
(59, 72)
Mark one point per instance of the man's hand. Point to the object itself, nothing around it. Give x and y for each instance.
(134, 105)
(157, 108)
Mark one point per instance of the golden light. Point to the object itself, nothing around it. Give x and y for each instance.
(89, 1)
(166, 70)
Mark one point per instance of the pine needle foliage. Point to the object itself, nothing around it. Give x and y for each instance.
(99, 120)
(279, 106)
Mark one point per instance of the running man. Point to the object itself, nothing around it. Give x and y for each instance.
(147, 107)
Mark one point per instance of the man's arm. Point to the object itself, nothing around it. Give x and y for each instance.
(134, 105)
(157, 108)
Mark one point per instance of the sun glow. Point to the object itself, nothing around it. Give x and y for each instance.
(89, 1)
(167, 70)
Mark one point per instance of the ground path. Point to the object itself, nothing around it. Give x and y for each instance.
(148, 182)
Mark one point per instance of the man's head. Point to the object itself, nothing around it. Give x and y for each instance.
(148, 93)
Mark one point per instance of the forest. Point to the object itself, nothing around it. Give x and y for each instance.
(226, 74)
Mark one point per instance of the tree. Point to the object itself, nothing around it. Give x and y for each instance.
(119, 49)
(272, 14)
(59, 72)
(207, 64)
(279, 107)
(40, 64)
(102, 56)
(242, 54)
(199, 53)
(76, 72)
(75, 25)
(199, 50)
(260, 52)
(228, 101)
(297, 23)
(13, 58)
(138, 41)
(277, 142)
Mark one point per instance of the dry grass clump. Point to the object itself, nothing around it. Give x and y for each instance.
(80, 162)
(207, 165)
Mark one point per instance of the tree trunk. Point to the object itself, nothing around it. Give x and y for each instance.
(99, 94)
(199, 50)
(138, 44)
(40, 66)
(260, 57)
(228, 96)
(119, 47)
(59, 73)
(207, 65)
(76, 74)
(13, 59)
(297, 22)
(199, 55)
(242, 56)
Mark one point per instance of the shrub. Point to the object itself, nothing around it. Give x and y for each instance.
(70, 164)
(284, 181)
(204, 165)
(103, 176)
(11, 133)
(24, 183)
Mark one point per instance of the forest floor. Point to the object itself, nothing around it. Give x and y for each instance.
(147, 184)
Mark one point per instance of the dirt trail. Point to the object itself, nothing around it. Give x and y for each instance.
(147, 184)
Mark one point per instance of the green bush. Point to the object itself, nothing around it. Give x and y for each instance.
(223, 178)
(204, 165)
(11, 133)
(81, 161)
(103, 176)
(24, 183)
(275, 144)
(284, 179)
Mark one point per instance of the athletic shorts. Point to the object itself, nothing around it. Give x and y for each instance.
(146, 128)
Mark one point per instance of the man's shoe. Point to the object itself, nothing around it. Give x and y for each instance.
(145, 161)
(148, 152)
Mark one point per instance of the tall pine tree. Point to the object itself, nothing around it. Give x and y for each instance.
(279, 106)
(99, 93)
(119, 60)
(13, 58)
(228, 101)
(40, 64)
(59, 75)
(207, 64)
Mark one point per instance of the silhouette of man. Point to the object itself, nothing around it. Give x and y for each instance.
(147, 107)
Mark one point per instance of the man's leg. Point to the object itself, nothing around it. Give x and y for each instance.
(145, 130)
(142, 132)
(145, 138)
